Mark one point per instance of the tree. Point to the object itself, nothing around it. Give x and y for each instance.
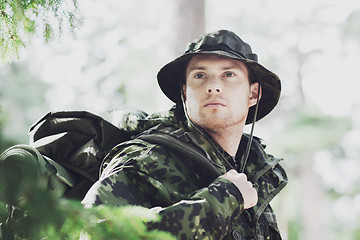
(21, 19)
(184, 28)
(29, 210)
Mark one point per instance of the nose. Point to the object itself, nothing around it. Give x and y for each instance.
(216, 90)
(214, 87)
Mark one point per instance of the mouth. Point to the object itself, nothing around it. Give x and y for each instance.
(214, 104)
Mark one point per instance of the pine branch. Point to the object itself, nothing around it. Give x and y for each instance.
(21, 18)
(10, 40)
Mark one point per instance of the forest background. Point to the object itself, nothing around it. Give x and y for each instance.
(110, 57)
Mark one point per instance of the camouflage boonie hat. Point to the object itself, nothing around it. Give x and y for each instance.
(228, 44)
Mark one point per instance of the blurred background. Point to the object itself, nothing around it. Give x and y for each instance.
(111, 60)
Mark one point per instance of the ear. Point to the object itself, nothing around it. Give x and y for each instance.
(183, 93)
(254, 91)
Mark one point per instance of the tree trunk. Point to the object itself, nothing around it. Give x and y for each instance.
(184, 21)
(189, 23)
(312, 201)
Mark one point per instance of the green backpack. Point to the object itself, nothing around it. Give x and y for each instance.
(69, 147)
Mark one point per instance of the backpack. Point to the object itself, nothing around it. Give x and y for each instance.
(70, 146)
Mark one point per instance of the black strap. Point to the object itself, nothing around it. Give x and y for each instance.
(246, 156)
(182, 147)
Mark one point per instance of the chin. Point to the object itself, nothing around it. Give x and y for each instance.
(214, 124)
(221, 122)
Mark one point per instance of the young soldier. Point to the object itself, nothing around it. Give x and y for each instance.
(218, 87)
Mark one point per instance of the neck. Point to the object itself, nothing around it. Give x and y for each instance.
(228, 139)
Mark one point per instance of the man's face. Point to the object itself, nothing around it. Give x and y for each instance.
(217, 92)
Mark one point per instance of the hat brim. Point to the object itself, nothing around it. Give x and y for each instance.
(172, 75)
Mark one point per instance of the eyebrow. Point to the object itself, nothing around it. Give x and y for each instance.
(196, 68)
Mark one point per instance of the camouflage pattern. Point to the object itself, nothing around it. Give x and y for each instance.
(192, 204)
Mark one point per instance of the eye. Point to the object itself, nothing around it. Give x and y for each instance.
(199, 76)
(229, 74)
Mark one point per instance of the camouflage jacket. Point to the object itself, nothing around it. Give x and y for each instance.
(192, 203)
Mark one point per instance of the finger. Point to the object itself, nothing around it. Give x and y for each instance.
(243, 176)
(253, 200)
(232, 172)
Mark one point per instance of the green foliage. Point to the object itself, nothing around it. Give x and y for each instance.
(351, 26)
(106, 222)
(3, 212)
(22, 102)
(21, 18)
(67, 219)
(30, 206)
(294, 231)
(28, 210)
(310, 130)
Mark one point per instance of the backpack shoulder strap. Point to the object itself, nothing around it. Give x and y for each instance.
(186, 148)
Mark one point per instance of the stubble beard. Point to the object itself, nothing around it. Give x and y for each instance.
(219, 125)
